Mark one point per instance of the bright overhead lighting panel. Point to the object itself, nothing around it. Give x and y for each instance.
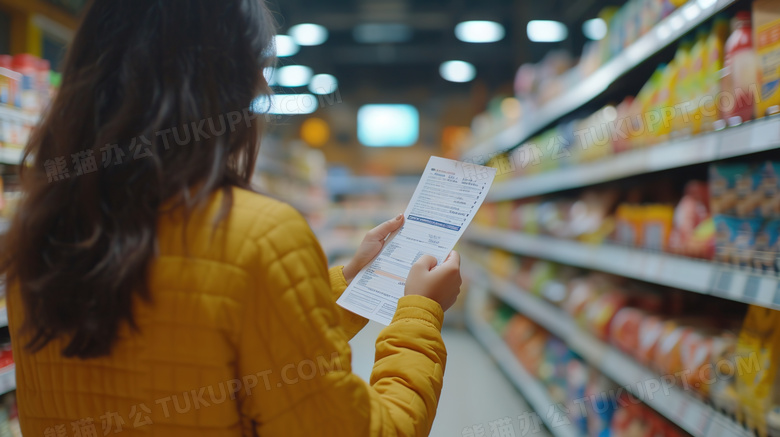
(547, 31)
(480, 31)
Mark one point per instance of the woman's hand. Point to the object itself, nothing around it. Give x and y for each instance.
(440, 283)
(371, 246)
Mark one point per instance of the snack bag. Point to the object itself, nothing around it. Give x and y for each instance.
(758, 386)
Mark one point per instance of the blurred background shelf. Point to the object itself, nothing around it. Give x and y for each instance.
(672, 28)
(753, 137)
(532, 390)
(690, 274)
(689, 413)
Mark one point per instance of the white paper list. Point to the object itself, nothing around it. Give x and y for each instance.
(443, 205)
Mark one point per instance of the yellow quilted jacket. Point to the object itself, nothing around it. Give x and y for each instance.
(243, 337)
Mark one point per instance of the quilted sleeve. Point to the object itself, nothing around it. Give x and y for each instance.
(351, 322)
(295, 361)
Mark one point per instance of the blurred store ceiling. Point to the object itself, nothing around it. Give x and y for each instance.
(424, 34)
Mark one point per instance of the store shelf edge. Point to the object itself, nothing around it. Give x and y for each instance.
(655, 267)
(664, 33)
(532, 390)
(756, 136)
(688, 412)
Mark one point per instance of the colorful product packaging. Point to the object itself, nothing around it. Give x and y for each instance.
(726, 182)
(758, 386)
(766, 35)
(657, 226)
(9, 83)
(767, 248)
(769, 187)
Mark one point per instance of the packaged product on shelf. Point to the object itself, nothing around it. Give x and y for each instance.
(624, 329)
(765, 256)
(689, 215)
(707, 108)
(657, 226)
(552, 370)
(650, 329)
(766, 19)
(628, 226)
(722, 391)
(9, 83)
(757, 384)
(739, 80)
(727, 183)
(726, 229)
(27, 66)
(601, 408)
(676, 80)
(694, 87)
(600, 312)
(745, 240)
(576, 383)
(770, 189)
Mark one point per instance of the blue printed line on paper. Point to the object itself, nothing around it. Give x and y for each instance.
(434, 223)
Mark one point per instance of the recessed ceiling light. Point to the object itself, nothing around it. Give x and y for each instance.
(293, 75)
(547, 31)
(323, 84)
(595, 29)
(480, 31)
(270, 75)
(458, 71)
(285, 104)
(285, 46)
(309, 34)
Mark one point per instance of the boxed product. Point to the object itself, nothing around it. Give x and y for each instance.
(735, 240)
(769, 188)
(727, 183)
(765, 255)
(657, 226)
(766, 40)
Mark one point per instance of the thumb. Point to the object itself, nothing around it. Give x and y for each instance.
(381, 232)
(426, 262)
(453, 259)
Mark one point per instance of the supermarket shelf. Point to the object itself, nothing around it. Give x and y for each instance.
(752, 137)
(18, 115)
(7, 379)
(532, 389)
(689, 413)
(659, 268)
(688, 17)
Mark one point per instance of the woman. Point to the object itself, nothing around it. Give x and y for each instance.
(152, 293)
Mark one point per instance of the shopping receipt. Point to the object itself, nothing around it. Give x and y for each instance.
(443, 205)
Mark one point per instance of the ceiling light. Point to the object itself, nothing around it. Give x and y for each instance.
(458, 71)
(309, 34)
(378, 33)
(285, 104)
(323, 84)
(293, 76)
(285, 46)
(270, 75)
(479, 31)
(595, 29)
(547, 31)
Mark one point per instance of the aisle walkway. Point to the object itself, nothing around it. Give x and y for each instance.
(475, 393)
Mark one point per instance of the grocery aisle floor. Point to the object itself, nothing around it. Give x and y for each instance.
(475, 391)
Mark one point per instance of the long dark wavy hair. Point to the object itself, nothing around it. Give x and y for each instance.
(111, 152)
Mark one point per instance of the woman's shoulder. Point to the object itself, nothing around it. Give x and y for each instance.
(262, 214)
